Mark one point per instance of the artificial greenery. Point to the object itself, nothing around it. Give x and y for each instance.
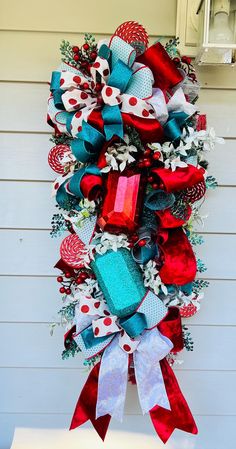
(188, 341)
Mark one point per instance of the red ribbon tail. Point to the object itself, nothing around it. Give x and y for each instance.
(86, 406)
(179, 416)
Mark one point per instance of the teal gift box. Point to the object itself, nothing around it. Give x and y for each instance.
(120, 280)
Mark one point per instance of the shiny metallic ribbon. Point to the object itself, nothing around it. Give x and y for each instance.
(112, 381)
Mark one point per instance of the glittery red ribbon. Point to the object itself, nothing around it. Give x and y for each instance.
(91, 186)
(168, 220)
(179, 416)
(171, 327)
(180, 179)
(179, 265)
(85, 409)
(165, 421)
(149, 130)
(165, 72)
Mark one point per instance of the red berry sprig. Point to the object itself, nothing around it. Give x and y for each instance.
(80, 57)
(149, 159)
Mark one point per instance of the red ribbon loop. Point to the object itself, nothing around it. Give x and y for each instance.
(179, 265)
(171, 327)
(165, 72)
(180, 179)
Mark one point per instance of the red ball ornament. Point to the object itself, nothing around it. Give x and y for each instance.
(186, 60)
(67, 275)
(147, 152)
(147, 163)
(93, 55)
(150, 179)
(79, 281)
(176, 61)
(75, 49)
(85, 86)
(68, 291)
(156, 155)
(86, 47)
(59, 279)
(62, 290)
(76, 57)
(142, 243)
(155, 186)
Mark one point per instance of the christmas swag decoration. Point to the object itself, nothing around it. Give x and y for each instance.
(129, 149)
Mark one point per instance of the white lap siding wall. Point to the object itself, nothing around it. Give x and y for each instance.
(37, 388)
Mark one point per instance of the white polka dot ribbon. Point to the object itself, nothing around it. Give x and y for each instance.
(103, 323)
(81, 95)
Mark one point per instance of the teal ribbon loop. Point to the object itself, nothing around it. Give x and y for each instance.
(87, 144)
(172, 128)
(104, 52)
(120, 76)
(113, 123)
(56, 90)
(134, 325)
(74, 182)
(55, 81)
(159, 200)
(89, 340)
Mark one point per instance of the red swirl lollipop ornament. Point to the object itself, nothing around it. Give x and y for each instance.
(72, 250)
(135, 34)
(55, 157)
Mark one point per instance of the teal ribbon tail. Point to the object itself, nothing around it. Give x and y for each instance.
(74, 183)
(104, 52)
(173, 128)
(65, 200)
(56, 90)
(113, 123)
(88, 143)
(134, 325)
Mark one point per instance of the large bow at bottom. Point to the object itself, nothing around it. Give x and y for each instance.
(103, 395)
(114, 375)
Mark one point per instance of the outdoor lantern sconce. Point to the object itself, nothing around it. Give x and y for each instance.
(216, 32)
(207, 31)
